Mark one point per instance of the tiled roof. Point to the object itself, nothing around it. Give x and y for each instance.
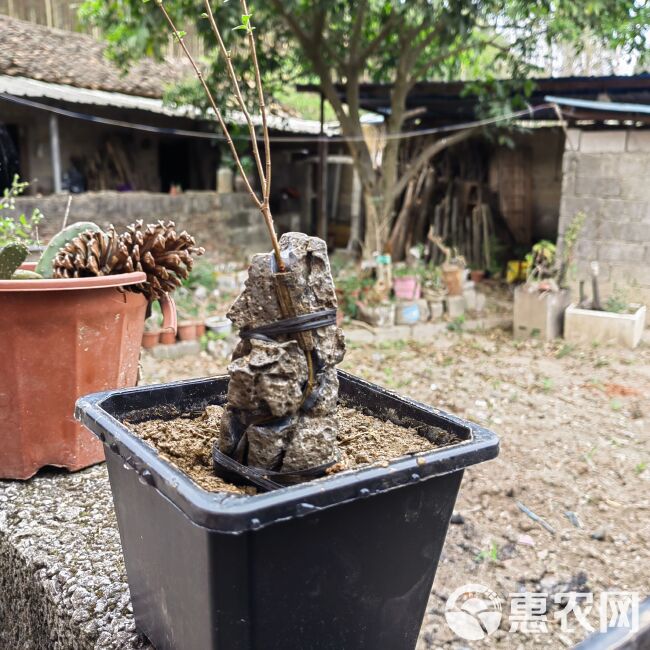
(57, 56)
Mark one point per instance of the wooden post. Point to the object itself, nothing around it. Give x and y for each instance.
(55, 152)
(321, 211)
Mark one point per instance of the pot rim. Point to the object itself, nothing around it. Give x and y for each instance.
(235, 514)
(68, 284)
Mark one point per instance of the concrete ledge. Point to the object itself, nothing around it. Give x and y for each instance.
(63, 584)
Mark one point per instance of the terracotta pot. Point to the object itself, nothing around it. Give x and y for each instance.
(477, 276)
(167, 337)
(200, 329)
(150, 339)
(453, 279)
(60, 340)
(187, 330)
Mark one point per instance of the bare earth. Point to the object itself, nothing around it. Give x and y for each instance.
(575, 439)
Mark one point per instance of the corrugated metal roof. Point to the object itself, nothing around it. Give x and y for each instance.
(33, 88)
(615, 107)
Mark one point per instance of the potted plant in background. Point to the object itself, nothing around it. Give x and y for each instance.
(540, 303)
(298, 558)
(617, 320)
(454, 268)
(406, 283)
(73, 323)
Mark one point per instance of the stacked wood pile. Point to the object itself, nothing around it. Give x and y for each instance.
(471, 196)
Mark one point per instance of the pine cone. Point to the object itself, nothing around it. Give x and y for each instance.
(90, 254)
(166, 256)
(157, 250)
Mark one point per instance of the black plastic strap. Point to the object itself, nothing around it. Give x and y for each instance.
(302, 323)
(229, 469)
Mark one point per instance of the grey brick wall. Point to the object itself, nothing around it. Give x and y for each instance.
(222, 223)
(606, 176)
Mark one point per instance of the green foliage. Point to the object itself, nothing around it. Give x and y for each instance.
(569, 241)
(304, 40)
(203, 274)
(45, 263)
(541, 260)
(490, 555)
(618, 302)
(13, 227)
(11, 257)
(457, 324)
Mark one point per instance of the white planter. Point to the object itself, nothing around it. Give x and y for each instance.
(539, 313)
(588, 326)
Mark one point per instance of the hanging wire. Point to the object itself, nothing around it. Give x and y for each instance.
(529, 111)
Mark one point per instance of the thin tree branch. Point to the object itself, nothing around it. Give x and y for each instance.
(264, 208)
(212, 101)
(238, 95)
(260, 94)
(376, 42)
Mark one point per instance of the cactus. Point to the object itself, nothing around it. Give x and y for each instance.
(23, 274)
(45, 266)
(11, 257)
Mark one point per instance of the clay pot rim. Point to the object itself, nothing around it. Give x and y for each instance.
(68, 284)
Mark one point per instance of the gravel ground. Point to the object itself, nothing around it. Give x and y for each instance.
(575, 439)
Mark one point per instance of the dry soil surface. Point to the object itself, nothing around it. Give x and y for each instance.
(575, 450)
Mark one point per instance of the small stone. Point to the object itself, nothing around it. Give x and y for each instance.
(457, 518)
(601, 534)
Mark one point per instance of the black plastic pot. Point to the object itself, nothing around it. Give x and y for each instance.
(344, 562)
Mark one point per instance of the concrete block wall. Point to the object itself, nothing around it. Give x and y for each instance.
(605, 175)
(219, 222)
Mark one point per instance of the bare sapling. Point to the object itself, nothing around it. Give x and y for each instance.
(280, 417)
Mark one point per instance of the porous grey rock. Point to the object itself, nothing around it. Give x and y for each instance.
(63, 584)
(270, 422)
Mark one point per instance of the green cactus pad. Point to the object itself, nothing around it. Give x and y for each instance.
(11, 257)
(45, 266)
(22, 274)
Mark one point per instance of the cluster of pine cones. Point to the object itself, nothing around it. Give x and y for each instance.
(157, 249)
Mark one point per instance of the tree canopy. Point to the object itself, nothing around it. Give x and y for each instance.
(398, 42)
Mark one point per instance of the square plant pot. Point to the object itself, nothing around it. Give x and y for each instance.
(589, 325)
(345, 561)
(539, 313)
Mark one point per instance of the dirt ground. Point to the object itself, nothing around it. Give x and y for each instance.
(575, 439)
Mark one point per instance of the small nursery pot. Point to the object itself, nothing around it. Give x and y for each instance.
(167, 337)
(187, 330)
(342, 562)
(407, 287)
(150, 339)
(219, 325)
(477, 276)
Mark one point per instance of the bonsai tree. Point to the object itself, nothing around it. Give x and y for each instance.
(281, 408)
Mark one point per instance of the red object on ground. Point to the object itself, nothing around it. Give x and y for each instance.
(62, 339)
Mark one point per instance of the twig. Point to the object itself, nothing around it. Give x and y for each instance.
(262, 205)
(238, 95)
(260, 94)
(345, 441)
(536, 518)
(67, 212)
